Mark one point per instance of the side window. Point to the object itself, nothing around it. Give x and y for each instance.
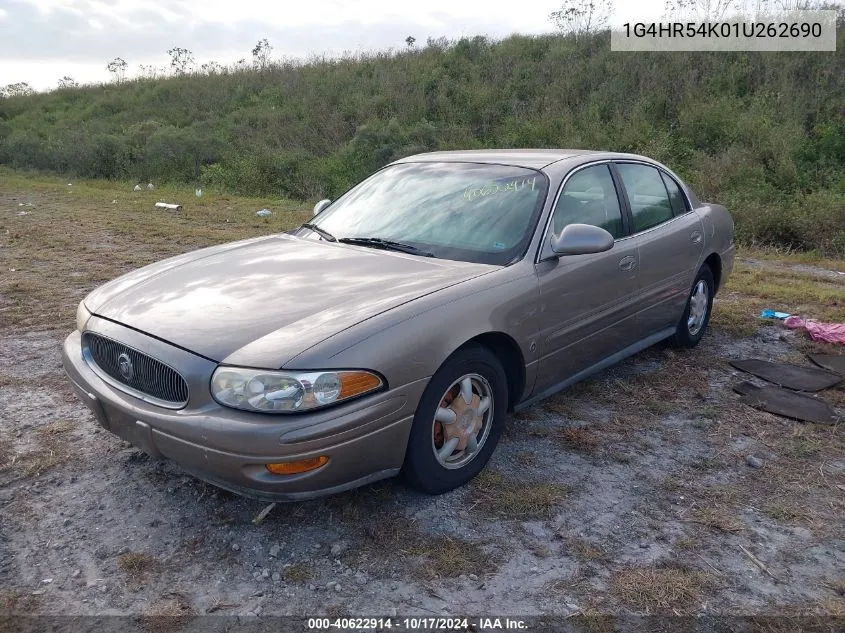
(589, 197)
(647, 194)
(676, 196)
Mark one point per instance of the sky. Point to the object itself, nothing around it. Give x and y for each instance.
(44, 40)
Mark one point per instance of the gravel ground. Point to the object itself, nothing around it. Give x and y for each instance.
(578, 508)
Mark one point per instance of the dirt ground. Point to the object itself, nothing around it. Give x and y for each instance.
(629, 493)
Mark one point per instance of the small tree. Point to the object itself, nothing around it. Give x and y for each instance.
(261, 54)
(117, 67)
(67, 82)
(801, 5)
(211, 68)
(580, 17)
(701, 10)
(181, 60)
(19, 89)
(410, 41)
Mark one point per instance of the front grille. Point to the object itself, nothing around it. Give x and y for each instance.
(141, 373)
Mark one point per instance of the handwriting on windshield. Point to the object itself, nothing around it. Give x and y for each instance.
(492, 188)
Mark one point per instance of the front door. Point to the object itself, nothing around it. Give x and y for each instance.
(585, 299)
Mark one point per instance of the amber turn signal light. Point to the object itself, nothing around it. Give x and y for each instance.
(353, 383)
(294, 468)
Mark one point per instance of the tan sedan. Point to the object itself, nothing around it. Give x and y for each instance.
(393, 332)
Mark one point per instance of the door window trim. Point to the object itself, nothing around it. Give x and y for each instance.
(620, 196)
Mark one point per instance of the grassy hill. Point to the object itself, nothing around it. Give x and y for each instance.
(763, 133)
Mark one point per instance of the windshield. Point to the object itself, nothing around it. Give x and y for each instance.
(463, 211)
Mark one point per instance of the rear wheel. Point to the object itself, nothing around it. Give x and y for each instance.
(458, 421)
(697, 311)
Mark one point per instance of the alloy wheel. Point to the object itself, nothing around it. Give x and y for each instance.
(462, 421)
(698, 302)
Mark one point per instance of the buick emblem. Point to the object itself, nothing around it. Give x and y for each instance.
(124, 365)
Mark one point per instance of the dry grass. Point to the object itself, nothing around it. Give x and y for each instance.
(7, 452)
(136, 565)
(515, 499)
(652, 590)
(172, 612)
(75, 238)
(580, 440)
(333, 611)
(297, 573)
(528, 458)
(800, 484)
(51, 448)
(790, 512)
(447, 557)
(636, 401)
(387, 532)
(737, 315)
(586, 551)
(14, 602)
(388, 535)
(718, 519)
(362, 503)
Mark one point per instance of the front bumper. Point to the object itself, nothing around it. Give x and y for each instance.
(365, 440)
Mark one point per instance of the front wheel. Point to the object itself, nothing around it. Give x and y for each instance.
(458, 421)
(697, 311)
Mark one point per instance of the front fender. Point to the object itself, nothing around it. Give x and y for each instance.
(411, 342)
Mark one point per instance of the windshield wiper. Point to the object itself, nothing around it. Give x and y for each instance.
(321, 232)
(378, 242)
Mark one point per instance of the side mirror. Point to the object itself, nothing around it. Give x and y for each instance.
(322, 204)
(581, 239)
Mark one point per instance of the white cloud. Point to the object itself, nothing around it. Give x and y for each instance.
(43, 40)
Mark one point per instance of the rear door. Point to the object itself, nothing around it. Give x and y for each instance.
(584, 299)
(669, 237)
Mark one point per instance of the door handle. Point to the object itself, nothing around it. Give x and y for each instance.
(695, 237)
(627, 263)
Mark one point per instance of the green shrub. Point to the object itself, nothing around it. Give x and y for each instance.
(762, 133)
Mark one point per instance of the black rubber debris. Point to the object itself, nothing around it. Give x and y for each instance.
(833, 362)
(792, 377)
(789, 404)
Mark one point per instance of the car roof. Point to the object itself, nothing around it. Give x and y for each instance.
(533, 158)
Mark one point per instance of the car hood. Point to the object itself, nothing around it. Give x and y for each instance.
(233, 303)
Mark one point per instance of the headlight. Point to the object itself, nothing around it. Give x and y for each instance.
(288, 391)
(82, 316)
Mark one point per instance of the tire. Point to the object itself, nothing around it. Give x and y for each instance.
(423, 469)
(691, 328)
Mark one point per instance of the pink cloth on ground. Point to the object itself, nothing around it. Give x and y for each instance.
(827, 332)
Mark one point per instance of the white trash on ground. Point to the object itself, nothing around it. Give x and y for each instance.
(263, 213)
(151, 186)
(136, 188)
(172, 207)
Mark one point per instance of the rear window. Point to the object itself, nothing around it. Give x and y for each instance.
(647, 195)
(676, 196)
